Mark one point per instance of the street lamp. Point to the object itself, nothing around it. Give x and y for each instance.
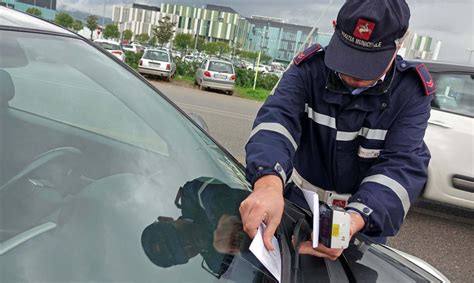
(103, 14)
(470, 55)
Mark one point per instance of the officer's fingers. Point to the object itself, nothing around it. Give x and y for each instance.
(331, 252)
(272, 225)
(253, 220)
(306, 248)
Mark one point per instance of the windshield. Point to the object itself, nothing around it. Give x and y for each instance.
(90, 156)
(108, 45)
(156, 55)
(220, 67)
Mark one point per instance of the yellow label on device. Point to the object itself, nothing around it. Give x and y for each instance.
(335, 230)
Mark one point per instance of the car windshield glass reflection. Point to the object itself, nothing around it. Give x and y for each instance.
(108, 46)
(156, 55)
(209, 226)
(89, 156)
(455, 93)
(220, 67)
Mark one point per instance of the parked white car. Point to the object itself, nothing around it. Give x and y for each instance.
(261, 68)
(450, 136)
(113, 47)
(133, 47)
(157, 62)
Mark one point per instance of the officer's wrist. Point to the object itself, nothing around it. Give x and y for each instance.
(272, 182)
(357, 221)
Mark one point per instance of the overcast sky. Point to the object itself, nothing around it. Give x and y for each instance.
(450, 21)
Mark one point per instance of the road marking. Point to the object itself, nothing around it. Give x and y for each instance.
(218, 112)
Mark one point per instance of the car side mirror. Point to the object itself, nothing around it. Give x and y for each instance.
(200, 121)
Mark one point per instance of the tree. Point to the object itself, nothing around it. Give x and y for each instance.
(265, 58)
(127, 34)
(91, 23)
(183, 41)
(164, 31)
(111, 31)
(34, 11)
(201, 44)
(77, 25)
(64, 19)
(152, 41)
(142, 38)
(217, 48)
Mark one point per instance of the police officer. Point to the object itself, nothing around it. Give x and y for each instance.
(347, 122)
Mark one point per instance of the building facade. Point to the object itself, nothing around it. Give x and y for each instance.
(278, 39)
(211, 23)
(214, 23)
(139, 18)
(419, 47)
(47, 7)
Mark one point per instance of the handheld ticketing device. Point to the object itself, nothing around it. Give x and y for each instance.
(334, 226)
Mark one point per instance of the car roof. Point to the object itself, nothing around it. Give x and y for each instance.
(10, 18)
(220, 61)
(157, 49)
(107, 41)
(439, 66)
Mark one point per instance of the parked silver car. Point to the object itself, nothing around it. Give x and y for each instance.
(216, 74)
(158, 63)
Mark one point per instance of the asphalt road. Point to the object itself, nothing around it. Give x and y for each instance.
(443, 241)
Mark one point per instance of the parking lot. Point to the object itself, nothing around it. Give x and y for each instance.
(442, 240)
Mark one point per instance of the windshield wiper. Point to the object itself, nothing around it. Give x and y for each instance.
(25, 236)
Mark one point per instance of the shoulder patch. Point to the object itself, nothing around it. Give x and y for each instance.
(307, 53)
(426, 79)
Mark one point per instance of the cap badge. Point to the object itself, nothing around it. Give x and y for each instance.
(364, 29)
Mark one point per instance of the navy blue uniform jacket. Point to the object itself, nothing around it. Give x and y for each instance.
(369, 145)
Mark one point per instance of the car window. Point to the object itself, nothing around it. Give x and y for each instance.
(156, 55)
(220, 67)
(90, 156)
(454, 93)
(108, 46)
(203, 65)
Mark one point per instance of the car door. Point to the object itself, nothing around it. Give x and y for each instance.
(450, 139)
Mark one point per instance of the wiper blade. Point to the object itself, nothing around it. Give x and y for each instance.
(25, 236)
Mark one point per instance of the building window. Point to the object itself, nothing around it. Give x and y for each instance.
(140, 15)
(125, 14)
(147, 17)
(189, 23)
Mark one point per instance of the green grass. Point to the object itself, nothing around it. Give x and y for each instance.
(184, 78)
(257, 94)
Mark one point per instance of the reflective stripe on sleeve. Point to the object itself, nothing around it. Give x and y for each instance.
(360, 207)
(274, 127)
(202, 189)
(319, 118)
(371, 134)
(390, 183)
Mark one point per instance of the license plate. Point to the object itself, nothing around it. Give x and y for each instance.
(155, 64)
(217, 76)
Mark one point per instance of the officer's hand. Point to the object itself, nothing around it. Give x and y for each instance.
(264, 204)
(357, 224)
